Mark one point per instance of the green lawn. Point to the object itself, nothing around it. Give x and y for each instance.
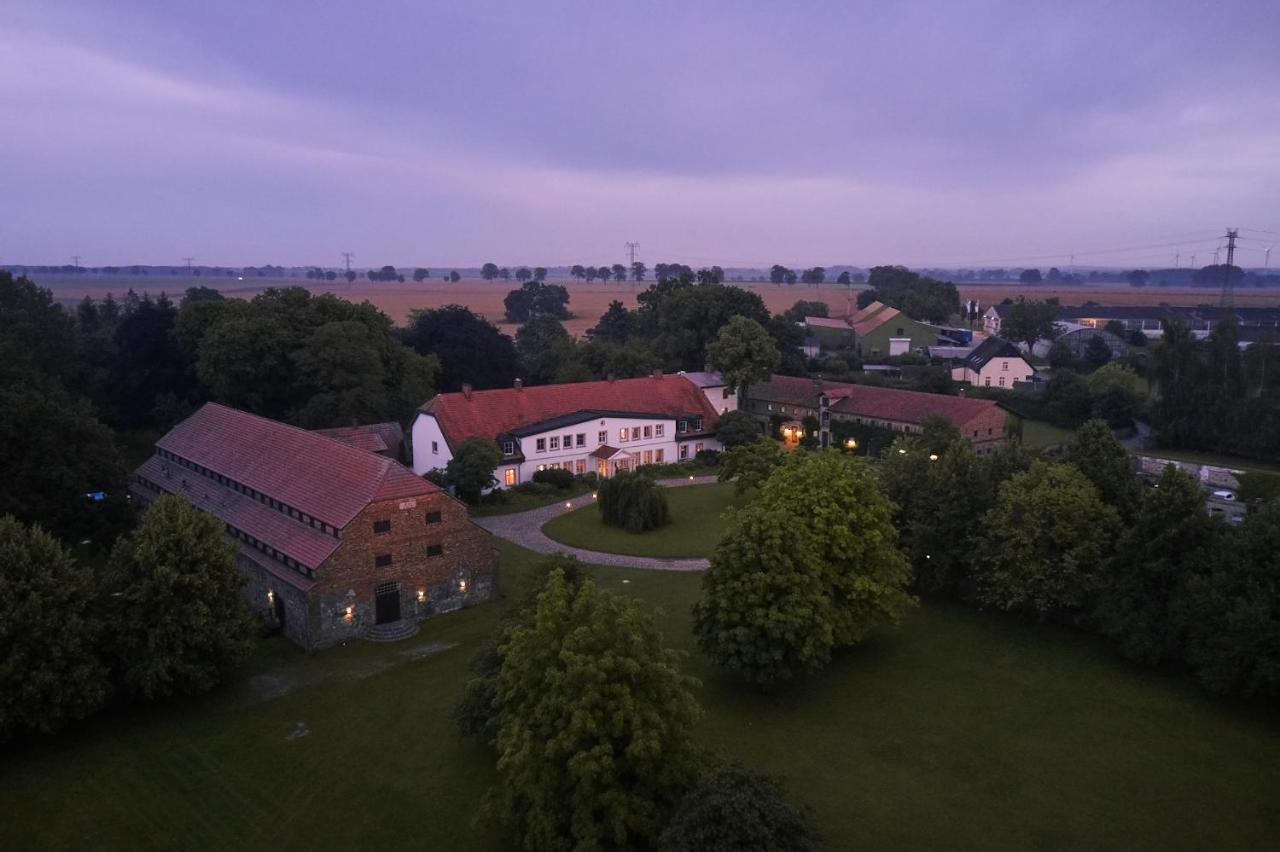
(694, 529)
(961, 730)
(1038, 435)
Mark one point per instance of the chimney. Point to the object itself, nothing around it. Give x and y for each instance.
(519, 384)
(466, 389)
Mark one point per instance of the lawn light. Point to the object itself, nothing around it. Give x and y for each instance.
(691, 477)
(901, 452)
(851, 444)
(593, 495)
(933, 456)
(568, 505)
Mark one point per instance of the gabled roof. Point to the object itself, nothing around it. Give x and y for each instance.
(490, 413)
(901, 406)
(992, 347)
(869, 311)
(704, 378)
(372, 438)
(315, 474)
(873, 321)
(828, 322)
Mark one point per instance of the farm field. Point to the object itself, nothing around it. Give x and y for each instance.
(962, 729)
(589, 301)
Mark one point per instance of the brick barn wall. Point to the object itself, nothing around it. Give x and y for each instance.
(297, 607)
(350, 576)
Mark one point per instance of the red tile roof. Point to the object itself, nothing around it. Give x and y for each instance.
(900, 406)
(490, 413)
(372, 438)
(312, 473)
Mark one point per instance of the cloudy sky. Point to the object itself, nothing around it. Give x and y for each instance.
(738, 133)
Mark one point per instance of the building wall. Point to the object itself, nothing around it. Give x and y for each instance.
(462, 575)
(876, 343)
(1010, 369)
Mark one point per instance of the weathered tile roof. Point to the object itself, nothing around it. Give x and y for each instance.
(314, 474)
(490, 413)
(992, 347)
(841, 323)
(900, 406)
(372, 438)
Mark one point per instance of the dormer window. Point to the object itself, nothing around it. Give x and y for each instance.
(508, 448)
(697, 424)
(682, 426)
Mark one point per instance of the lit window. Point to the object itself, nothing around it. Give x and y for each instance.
(622, 434)
(510, 476)
(580, 466)
(648, 456)
(699, 448)
(684, 452)
(657, 456)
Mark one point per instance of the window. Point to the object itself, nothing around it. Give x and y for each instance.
(648, 456)
(382, 560)
(622, 434)
(555, 442)
(699, 448)
(635, 433)
(541, 445)
(602, 438)
(509, 477)
(435, 550)
(987, 381)
(682, 426)
(658, 430)
(435, 448)
(697, 424)
(648, 432)
(1004, 365)
(684, 452)
(657, 456)
(581, 440)
(770, 406)
(1002, 381)
(508, 448)
(567, 442)
(382, 527)
(580, 466)
(434, 517)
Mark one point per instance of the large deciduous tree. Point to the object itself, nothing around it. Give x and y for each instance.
(49, 669)
(177, 623)
(470, 348)
(749, 464)
(736, 428)
(470, 471)
(743, 353)
(735, 809)
(594, 730)
(1099, 456)
(811, 565)
(1048, 541)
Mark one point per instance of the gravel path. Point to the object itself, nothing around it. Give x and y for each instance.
(525, 529)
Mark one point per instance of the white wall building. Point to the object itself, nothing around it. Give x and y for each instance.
(600, 427)
(994, 363)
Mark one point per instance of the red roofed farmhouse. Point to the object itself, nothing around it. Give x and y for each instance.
(603, 427)
(335, 541)
(791, 397)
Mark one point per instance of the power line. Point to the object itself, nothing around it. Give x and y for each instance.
(1228, 285)
(75, 259)
(188, 260)
(631, 251)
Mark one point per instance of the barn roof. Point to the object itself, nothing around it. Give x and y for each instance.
(900, 406)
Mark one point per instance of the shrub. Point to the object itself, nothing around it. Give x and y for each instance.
(707, 458)
(555, 477)
(734, 809)
(634, 502)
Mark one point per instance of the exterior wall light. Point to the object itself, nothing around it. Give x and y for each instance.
(462, 586)
(348, 614)
(422, 595)
(271, 597)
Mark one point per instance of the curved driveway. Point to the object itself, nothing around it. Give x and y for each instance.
(525, 529)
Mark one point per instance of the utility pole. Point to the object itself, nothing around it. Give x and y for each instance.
(1176, 257)
(1266, 258)
(347, 255)
(1228, 285)
(188, 260)
(631, 252)
(75, 260)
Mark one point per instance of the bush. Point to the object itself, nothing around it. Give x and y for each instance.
(634, 502)
(734, 809)
(737, 428)
(555, 477)
(707, 458)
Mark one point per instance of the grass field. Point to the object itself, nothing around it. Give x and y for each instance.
(1037, 434)
(589, 301)
(694, 529)
(961, 730)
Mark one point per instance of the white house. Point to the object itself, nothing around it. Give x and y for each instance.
(602, 427)
(994, 363)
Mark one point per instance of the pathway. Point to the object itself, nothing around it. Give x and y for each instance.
(525, 529)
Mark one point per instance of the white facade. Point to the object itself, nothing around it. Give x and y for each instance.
(576, 447)
(1000, 372)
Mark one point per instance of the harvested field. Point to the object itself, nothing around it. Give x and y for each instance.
(589, 301)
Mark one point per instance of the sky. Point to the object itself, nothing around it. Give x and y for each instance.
(738, 133)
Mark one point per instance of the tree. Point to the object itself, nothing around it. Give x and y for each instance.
(594, 736)
(1099, 456)
(619, 272)
(454, 277)
(1142, 603)
(1067, 398)
(544, 345)
(736, 428)
(915, 295)
(533, 298)
(523, 274)
(176, 622)
(470, 348)
(1047, 541)
(790, 277)
(814, 276)
(802, 309)
(615, 324)
(743, 354)
(421, 274)
(682, 318)
(36, 330)
(1235, 611)
(809, 566)
(778, 273)
(749, 464)
(578, 271)
(350, 275)
(1138, 278)
(591, 274)
(489, 271)
(1117, 393)
(470, 471)
(1097, 351)
(735, 809)
(540, 273)
(638, 271)
(1030, 276)
(49, 670)
(1029, 322)
(844, 278)
(633, 502)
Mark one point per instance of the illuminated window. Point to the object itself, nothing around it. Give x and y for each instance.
(622, 434)
(648, 456)
(648, 432)
(684, 452)
(657, 456)
(699, 448)
(580, 466)
(510, 476)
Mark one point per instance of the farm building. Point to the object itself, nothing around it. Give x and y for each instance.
(599, 427)
(883, 332)
(1151, 320)
(335, 541)
(993, 363)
